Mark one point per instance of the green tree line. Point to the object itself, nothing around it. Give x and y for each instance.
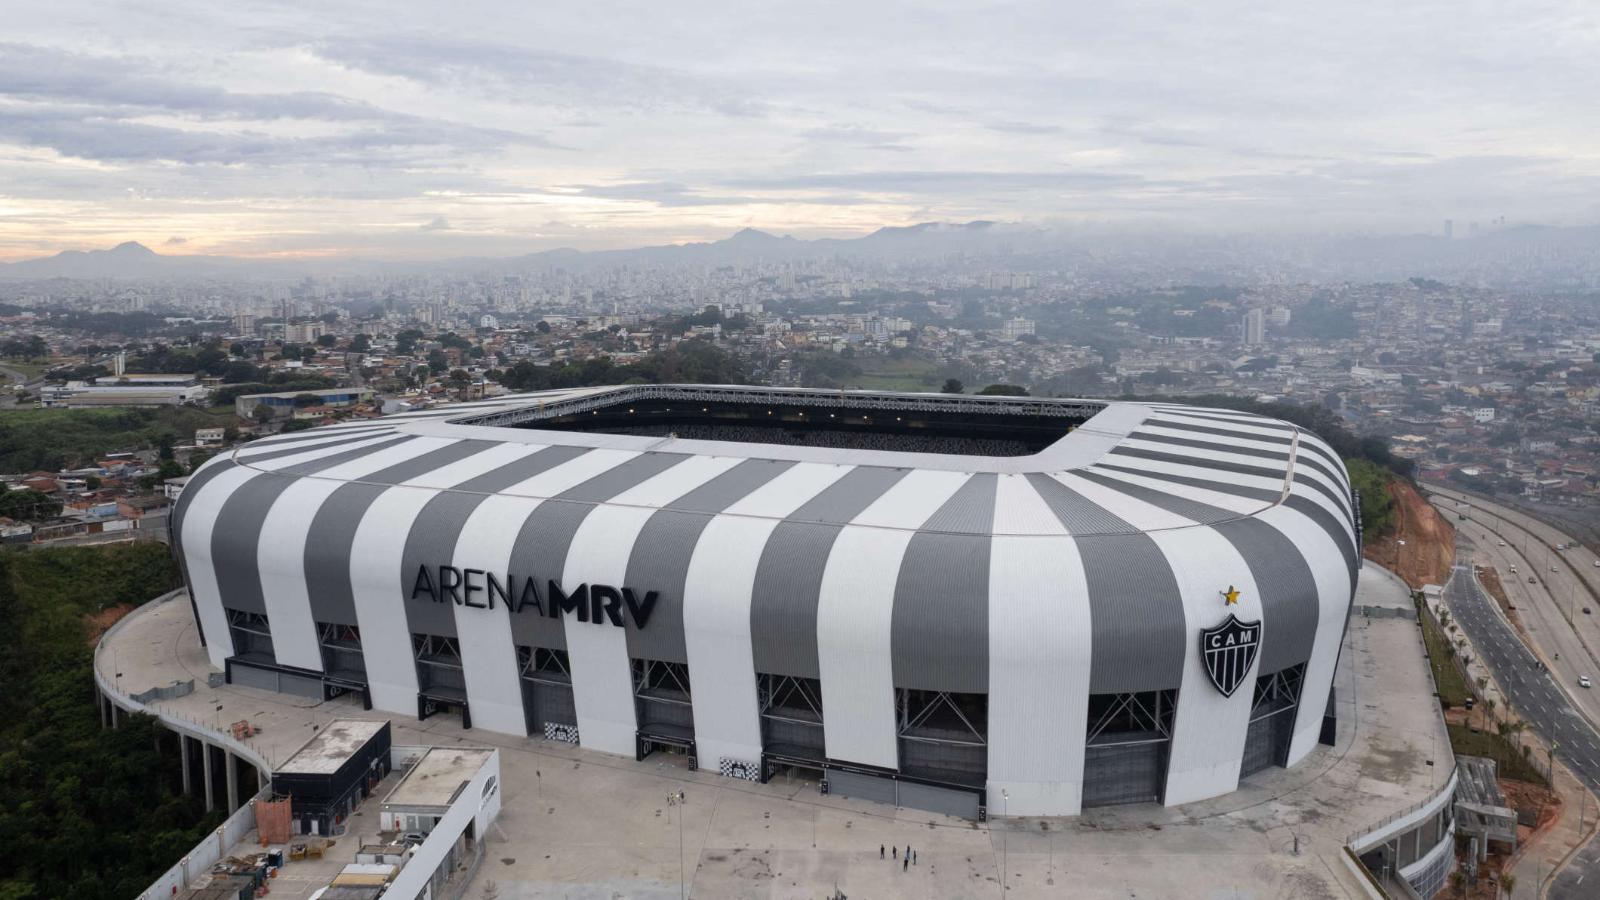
(85, 812)
(690, 362)
(53, 439)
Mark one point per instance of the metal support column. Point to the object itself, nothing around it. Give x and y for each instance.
(230, 770)
(211, 795)
(183, 758)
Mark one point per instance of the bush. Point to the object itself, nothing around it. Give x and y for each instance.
(1377, 505)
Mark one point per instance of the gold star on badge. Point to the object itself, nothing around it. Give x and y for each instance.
(1230, 596)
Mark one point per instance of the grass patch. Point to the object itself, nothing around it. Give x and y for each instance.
(1513, 762)
(906, 374)
(30, 369)
(1452, 689)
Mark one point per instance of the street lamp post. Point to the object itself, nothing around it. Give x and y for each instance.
(675, 800)
(1005, 862)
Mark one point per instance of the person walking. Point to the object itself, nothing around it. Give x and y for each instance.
(905, 863)
(880, 851)
(894, 852)
(913, 857)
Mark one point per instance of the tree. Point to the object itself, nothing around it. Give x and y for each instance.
(361, 343)
(406, 341)
(92, 482)
(262, 414)
(240, 372)
(952, 386)
(28, 504)
(461, 380)
(326, 340)
(90, 793)
(1002, 390)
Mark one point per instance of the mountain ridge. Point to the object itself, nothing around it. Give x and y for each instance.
(132, 259)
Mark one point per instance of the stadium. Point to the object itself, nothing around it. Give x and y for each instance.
(974, 605)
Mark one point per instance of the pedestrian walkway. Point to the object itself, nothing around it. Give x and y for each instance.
(588, 825)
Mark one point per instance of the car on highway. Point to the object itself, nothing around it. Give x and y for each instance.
(1532, 580)
(1583, 681)
(1586, 611)
(1552, 568)
(1597, 564)
(1502, 543)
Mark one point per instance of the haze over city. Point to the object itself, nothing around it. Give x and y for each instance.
(419, 131)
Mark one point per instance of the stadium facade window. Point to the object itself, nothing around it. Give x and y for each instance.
(791, 717)
(341, 651)
(662, 701)
(546, 677)
(1127, 747)
(1272, 713)
(943, 735)
(252, 636)
(440, 674)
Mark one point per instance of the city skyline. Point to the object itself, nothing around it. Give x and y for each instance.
(356, 131)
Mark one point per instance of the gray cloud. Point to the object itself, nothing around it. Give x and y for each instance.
(559, 78)
(100, 135)
(83, 106)
(343, 118)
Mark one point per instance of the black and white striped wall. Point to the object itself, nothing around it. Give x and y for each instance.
(1035, 583)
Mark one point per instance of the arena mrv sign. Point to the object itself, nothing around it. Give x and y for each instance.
(479, 589)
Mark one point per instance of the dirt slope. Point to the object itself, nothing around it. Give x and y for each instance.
(1430, 541)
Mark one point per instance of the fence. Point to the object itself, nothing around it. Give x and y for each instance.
(205, 854)
(170, 692)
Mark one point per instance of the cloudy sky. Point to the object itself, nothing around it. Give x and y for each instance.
(426, 129)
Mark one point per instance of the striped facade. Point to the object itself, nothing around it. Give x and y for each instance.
(856, 611)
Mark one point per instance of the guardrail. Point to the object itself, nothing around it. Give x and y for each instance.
(1376, 832)
(205, 854)
(173, 721)
(1376, 829)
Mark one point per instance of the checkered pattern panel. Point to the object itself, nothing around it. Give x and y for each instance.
(554, 731)
(738, 768)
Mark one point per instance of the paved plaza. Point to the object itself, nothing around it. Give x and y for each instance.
(578, 824)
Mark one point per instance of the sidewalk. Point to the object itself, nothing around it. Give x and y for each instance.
(1539, 859)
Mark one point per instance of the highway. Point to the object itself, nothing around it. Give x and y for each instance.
(1534, 694)
(1563, 636)
(1574, 584)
